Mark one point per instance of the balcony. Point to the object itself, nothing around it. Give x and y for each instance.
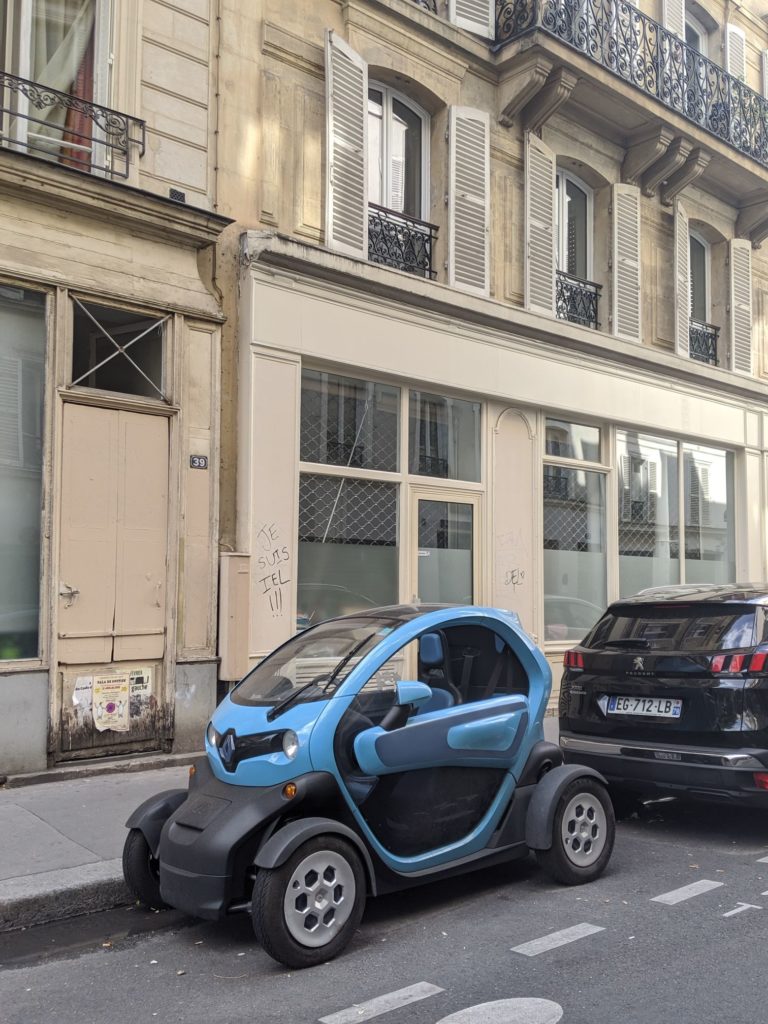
(67, 130)
(703, 342)
(428, 5)
(647, 56)
(576, 300)
(405, 243)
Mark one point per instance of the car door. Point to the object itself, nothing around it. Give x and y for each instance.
(430, 782)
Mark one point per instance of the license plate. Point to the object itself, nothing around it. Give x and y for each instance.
(660, 707)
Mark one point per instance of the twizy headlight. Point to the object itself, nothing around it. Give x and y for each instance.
(290, 744)
(211, 734)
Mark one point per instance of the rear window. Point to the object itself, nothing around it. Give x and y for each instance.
(676, 628)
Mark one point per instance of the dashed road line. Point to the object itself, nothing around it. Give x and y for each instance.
(555, 939)
(382, 1004)
(763, 860)
(687, 892)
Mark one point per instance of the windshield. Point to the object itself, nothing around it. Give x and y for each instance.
(319, 659)
(675, 628)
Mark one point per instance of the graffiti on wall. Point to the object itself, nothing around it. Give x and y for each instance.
(273, 567)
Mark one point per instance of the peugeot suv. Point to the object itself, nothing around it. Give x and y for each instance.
(668, 694)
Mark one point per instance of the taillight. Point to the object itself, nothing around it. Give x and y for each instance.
(761, 779)
(739, 662)
(573, 659)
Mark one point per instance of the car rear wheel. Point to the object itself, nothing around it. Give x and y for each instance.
(306, 911)
(583, 832)
(141, 871)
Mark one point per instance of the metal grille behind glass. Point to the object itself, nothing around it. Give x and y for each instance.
(340, 510)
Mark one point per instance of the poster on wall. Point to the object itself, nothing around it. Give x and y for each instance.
(142, 699)
(111, 703)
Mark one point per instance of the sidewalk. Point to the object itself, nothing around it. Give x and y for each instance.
(61, 842)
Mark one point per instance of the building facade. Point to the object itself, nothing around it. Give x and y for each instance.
(501, 308)
(110, 323)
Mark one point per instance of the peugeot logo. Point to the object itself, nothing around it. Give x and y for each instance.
(638, 665)
(227, 748)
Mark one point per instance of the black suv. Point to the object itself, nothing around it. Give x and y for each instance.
(668, 694)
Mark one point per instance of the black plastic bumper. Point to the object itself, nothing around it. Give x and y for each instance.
(208, 844)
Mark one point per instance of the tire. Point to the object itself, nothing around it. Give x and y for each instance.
(141, 871)
(583, 832)
(306, 911)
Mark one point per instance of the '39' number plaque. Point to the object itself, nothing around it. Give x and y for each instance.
(198, 462)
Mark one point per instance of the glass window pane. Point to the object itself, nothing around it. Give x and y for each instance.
(348, 422)
(574, 551)
(709, 542)
(649, 535)
(406, 160)
(97, 359)
(572, 440)
(348, 554)
(375, 147)
(443, 437)
(577, 227)
(699, 309)
(445, 552)
(22, 377)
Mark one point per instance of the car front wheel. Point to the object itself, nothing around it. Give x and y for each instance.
(142, 871)
(583, 832)
(306, 911)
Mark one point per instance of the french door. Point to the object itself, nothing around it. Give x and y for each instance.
(444, 543)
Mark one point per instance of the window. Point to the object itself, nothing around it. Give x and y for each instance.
(700, 276)
(22, 358)
(695, 34)
(573, 212)
(398, 134)
(443, 437)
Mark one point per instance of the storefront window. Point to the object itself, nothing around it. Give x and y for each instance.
(709, 542)
(649, 535)
(443, 437)
(348, 422)
(572, 440)
(574, 551)
(22, 378)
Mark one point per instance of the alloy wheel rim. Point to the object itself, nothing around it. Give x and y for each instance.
(584, 829)
(319, 898)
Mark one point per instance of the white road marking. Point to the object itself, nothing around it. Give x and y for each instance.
(741, 907)
(508, 1011)
(763, 860)
(555, 939)
(382, 1004)
(687, 892)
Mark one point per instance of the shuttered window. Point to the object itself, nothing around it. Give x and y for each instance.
(626, 262)
(477, 16)
(682, 282)
(741, 304)
(674, 17)
(346, 75)
(539, 225)
(469, 199)
(736, 53)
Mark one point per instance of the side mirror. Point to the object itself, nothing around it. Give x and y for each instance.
(414, 693)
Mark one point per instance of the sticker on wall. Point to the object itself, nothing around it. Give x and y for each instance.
(142, 699)
(110, 703)
(82, 693)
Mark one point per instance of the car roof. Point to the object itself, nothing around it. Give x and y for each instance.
(701, 593)
(405, 612)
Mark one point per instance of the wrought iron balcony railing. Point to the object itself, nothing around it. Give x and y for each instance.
(703, 342)
(399, 241)
(428, 5)
(619, 37)
(576, 300)
(71, 131)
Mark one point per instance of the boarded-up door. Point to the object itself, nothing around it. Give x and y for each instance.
(112, 566)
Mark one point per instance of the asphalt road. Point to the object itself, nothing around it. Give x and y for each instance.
(695, 956)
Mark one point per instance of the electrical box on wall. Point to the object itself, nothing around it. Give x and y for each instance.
(234, 614)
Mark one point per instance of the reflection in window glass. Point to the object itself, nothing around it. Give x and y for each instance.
(649, 537)
(375, 147)
(395, 153)
(709, 542)
(574, 551)
(699, 269)
(572, 440)
(445, 552)
(576, 230)
(117, 350)
(348, 422)
(22, 357)
(443, 437)
(348, 554)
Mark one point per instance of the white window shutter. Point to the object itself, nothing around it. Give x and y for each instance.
(11, 450)
(539, 225)
(346, 95)
(477, 16)
(626, 262)
(682, 283)
(469, 190)
(736, 53)
(764, 72)
(674, 17)
(741, 305)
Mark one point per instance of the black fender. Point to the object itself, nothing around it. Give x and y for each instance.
(541, 810)
(282, 843)
(150, 816)
(543, 758)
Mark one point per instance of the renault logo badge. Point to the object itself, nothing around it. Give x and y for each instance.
(227, 748)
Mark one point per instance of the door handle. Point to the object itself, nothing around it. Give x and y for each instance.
(70, 594)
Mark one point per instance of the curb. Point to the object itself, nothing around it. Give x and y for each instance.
(86, 770)
(56, 895)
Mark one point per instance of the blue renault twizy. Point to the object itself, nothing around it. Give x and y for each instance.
(367, 754)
